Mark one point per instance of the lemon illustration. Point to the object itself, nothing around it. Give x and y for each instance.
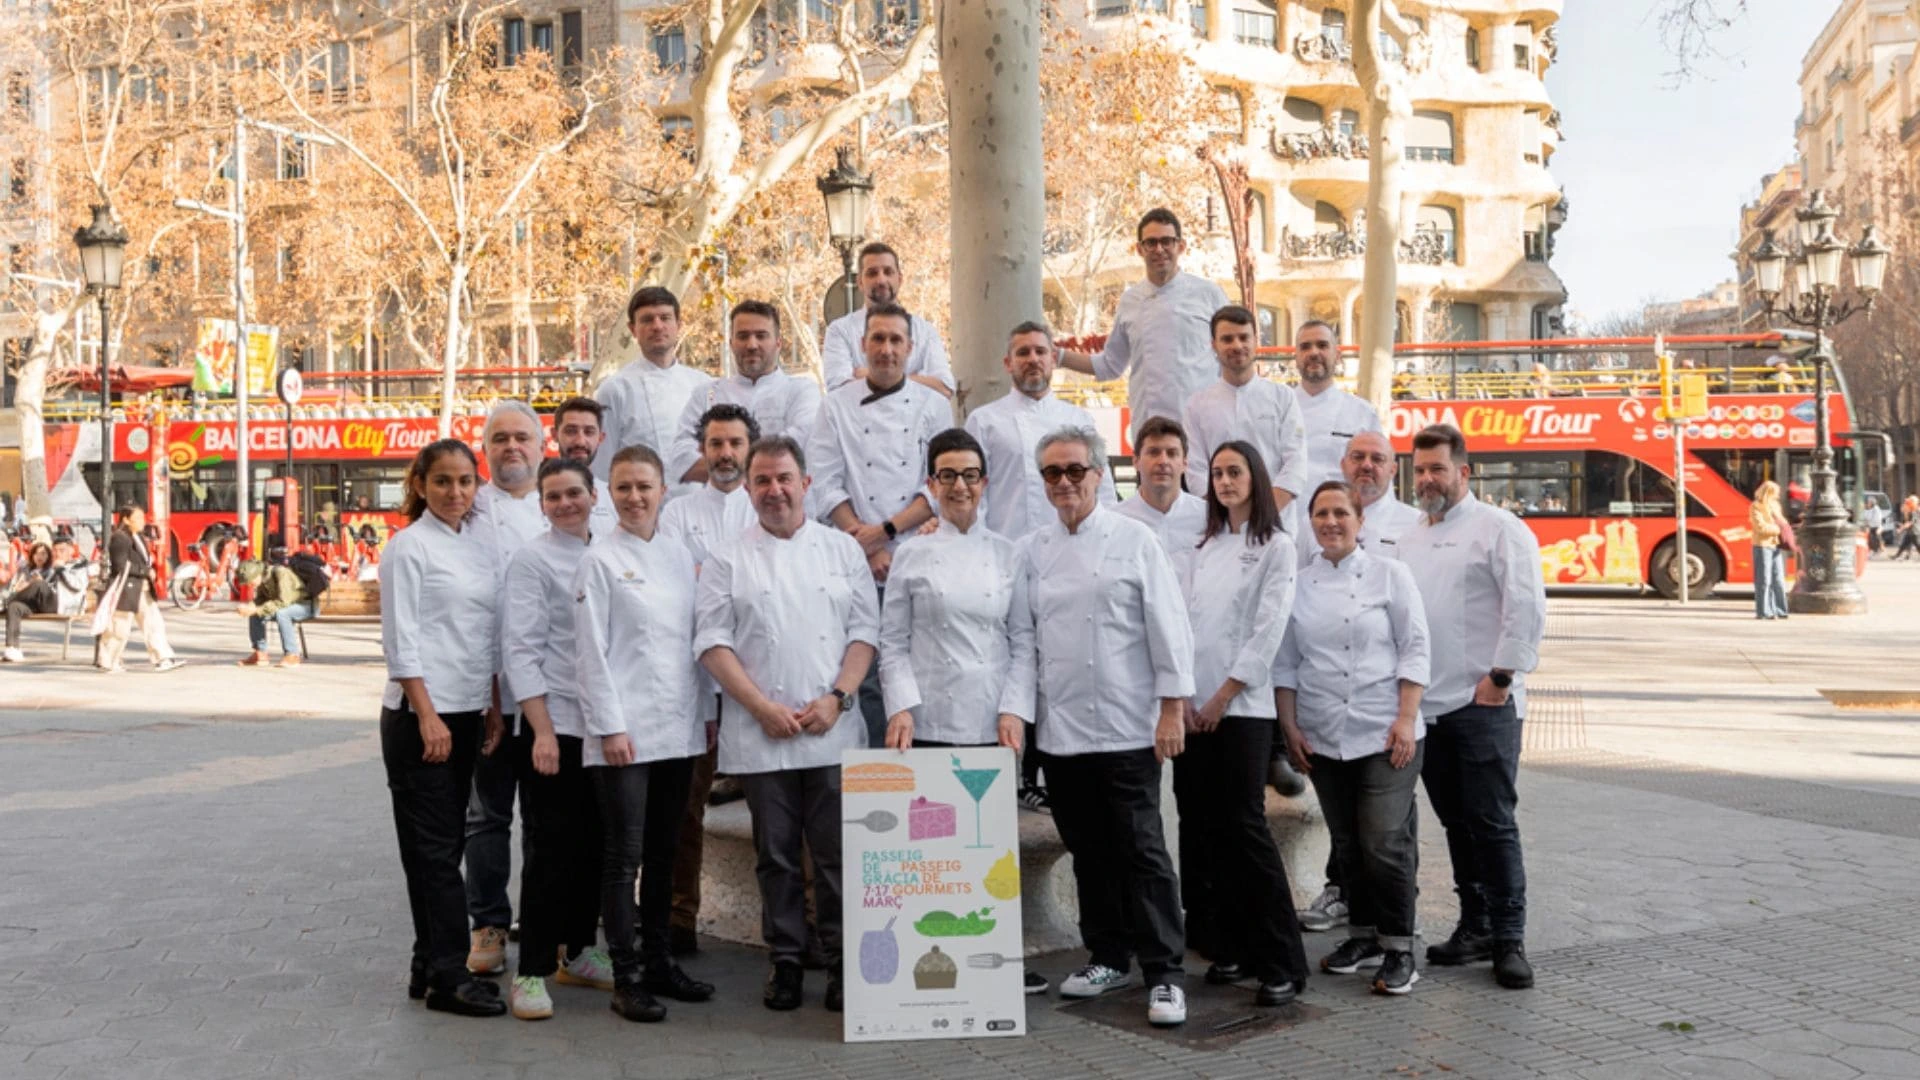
(1003, 880)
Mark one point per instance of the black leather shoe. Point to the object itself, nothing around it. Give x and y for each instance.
(467, 999)
(836, 995)
(668, 981)
(1277, 993)
(682, 941)
(783, 987)
(1397, 974)
(417, 981)
(1225, 974)
(1466, 946)
(1510, 966)
(633, 1002)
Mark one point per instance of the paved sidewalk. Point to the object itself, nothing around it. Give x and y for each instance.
(1725, 872)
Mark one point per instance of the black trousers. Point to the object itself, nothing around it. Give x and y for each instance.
(34, 598)
(429, 818)
(560, 877)
(489, 824)
(1251, 901)
(1373, 822)
(793, 808)
(1107, 808)
(641, 808)
(1473, 761)
(1191, 798)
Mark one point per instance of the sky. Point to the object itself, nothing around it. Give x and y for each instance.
(1656, 170)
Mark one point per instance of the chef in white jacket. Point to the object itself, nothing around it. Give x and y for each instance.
(788, 621)
(1242, 405)
(956, 639)
(1010, 426)
(1116, 667)
(781, 404)
(559, 894)
(1478, 568)
(1176, 517)
(1332, 416)
(843, 357)
(1238, 586)
(644, 399)
(638, 691)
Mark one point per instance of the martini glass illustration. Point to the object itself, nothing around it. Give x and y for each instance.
(976, 781)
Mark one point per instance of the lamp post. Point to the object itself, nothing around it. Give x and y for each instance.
(1826, 585)
(103, 249)
(847, 192)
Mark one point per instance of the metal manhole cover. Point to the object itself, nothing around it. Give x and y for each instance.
(1217, 1016)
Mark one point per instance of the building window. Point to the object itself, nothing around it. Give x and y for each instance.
(1839, 130)
(1473, 48)
(18, 179)
(17, 258)
(1348, 123)
(1536, 243)
(1463, 322)
(1254, 23)
(1256, 222)
(573, 47)
(1430, 137)
(893, 20)
(295, 159)
(1197, 17)
(542, 39)
(1228, 119)
(513, 41)
(1333, 25)
(670, 48)
(1272, 324)
(1523, 46)
(1443, 220)
(1107, 9)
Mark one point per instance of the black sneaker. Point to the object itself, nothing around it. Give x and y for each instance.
(783, 986)
(1510, 967)
(667, 980)
(1352, 955)
(1466, 946)
(836, 994)
(1397, 973)
(467, 999)
(1037, 983)
(1034, 797)
(632, 1002)
(1225, 974)
(1275, 993)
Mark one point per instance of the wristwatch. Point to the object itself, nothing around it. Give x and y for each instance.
(1501, 679)
(845, 699)
(890, 530)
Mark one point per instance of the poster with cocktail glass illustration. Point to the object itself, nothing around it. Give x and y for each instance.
(930, 884)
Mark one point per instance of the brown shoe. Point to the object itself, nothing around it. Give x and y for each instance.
(253, 660)
(292, 659)
(488, 954)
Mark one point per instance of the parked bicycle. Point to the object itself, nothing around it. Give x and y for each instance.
(207, 570)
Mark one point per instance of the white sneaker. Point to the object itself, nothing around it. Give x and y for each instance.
(529, 999)
(1166, 1006)
(13, 656)
(1326, 912)
(592, 968)
(169, 665)
(1092, 981)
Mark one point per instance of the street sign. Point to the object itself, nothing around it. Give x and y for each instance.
(290, 387)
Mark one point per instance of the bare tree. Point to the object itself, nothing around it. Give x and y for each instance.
(1689, 28)
(1383, 83)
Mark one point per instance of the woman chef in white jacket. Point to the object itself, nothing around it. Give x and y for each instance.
(639, 686)
(1239, 589)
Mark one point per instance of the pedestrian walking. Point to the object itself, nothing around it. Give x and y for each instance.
(133, 596)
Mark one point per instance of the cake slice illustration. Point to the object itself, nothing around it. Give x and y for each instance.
(929, 820)
(875, 777)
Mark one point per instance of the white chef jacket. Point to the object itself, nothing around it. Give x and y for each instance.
(1357, 630)
(1162, 341)
(841, 350)
(537, 626)
(1009, 429)
(1262, 413)
(1479, 577)
(506, 524)
(1238, 596)
(781, 404)
(1178, 529)
(1332, 417)
(956, 636)
(440, 614)
(1381, 527)
(705, 518)
(1110, 628)
(643, 404)
(872, 451)
(633, 647)
(788, 609)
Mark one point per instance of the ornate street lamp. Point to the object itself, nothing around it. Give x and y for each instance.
(103, 250)
(847, 192)
(1826, 585)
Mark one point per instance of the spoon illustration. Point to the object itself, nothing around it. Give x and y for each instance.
(877, 820)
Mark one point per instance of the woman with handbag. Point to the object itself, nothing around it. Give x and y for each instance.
(131, 595)
(1772, 543)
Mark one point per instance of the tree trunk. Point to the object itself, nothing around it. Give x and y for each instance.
(1388, 110)
(30, 395)
(453, 348)
(990, 69)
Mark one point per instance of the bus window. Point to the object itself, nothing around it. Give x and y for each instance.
(369, 488)
(1619, 486)
(202, 491)
(1531, 485)
(1744, 470)
(1799, 482)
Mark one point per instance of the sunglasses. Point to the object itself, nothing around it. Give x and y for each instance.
(1073, 473)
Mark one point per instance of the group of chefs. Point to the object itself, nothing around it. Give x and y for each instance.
(747, 576)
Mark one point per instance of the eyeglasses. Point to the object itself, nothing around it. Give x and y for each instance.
(969, 477)
(1073, 473)
(1159, 241)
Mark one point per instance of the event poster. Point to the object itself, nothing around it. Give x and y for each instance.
(930, 876)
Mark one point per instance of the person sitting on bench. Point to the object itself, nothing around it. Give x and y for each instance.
(278, 594)
(43, 586)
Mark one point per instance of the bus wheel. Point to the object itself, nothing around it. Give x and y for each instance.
(1704, 569)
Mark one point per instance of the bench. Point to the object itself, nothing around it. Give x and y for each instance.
(1049, 909)
(331, 620)
(80, 618)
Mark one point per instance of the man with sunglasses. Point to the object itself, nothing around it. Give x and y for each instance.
(1112, 629)
(1160, 337)
(868, 452)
